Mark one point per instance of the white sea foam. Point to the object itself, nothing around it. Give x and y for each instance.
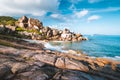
(35, 41)
(60, 48)
(51, 47)
(48, 45)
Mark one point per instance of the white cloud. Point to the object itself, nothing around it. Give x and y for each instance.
(94, 1)
(93, 17)
(81, 13)
(55, 15)
(30, 7)
(59, 17)
(109, 9)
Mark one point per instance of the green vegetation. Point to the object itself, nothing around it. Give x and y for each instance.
(34, 31)
(7, 20)
(20, 29)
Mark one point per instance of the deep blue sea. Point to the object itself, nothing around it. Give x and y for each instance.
(107, 46)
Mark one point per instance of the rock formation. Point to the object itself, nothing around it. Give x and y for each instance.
(46, 33)
(34, 23)
(23, 22)
(29, 23)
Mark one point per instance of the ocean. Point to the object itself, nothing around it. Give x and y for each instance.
(106, 46)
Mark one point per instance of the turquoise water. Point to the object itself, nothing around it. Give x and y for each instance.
(96, 46)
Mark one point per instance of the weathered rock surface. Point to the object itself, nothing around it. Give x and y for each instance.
(29, 23)
(41, 64)
(34, 23)
(23, 22)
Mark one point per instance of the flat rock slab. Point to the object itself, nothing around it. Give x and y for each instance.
(27, 64)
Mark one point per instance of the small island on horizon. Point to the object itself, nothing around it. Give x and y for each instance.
(25, 56)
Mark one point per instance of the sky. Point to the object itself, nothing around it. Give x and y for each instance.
(80, 16)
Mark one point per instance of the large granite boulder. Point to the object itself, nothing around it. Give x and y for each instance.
(29, 23)
(23, 22)
(35, 23)
(66, 35)
(45, 30)
(23, 19)
(78, 35)
(55, 32)
(49, 33)
(66, 31)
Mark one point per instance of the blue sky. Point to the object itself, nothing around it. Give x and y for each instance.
(81, 16)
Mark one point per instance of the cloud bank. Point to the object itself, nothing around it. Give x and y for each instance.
(28, 7)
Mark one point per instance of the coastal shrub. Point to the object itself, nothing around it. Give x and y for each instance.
(12, 23)
(7, 20)
(34, 31)
(20, 29)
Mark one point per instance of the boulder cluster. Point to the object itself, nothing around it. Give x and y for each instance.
(46, 33)
(29, 23)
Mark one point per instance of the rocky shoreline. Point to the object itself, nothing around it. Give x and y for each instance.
(31, 28)
(21, 60)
